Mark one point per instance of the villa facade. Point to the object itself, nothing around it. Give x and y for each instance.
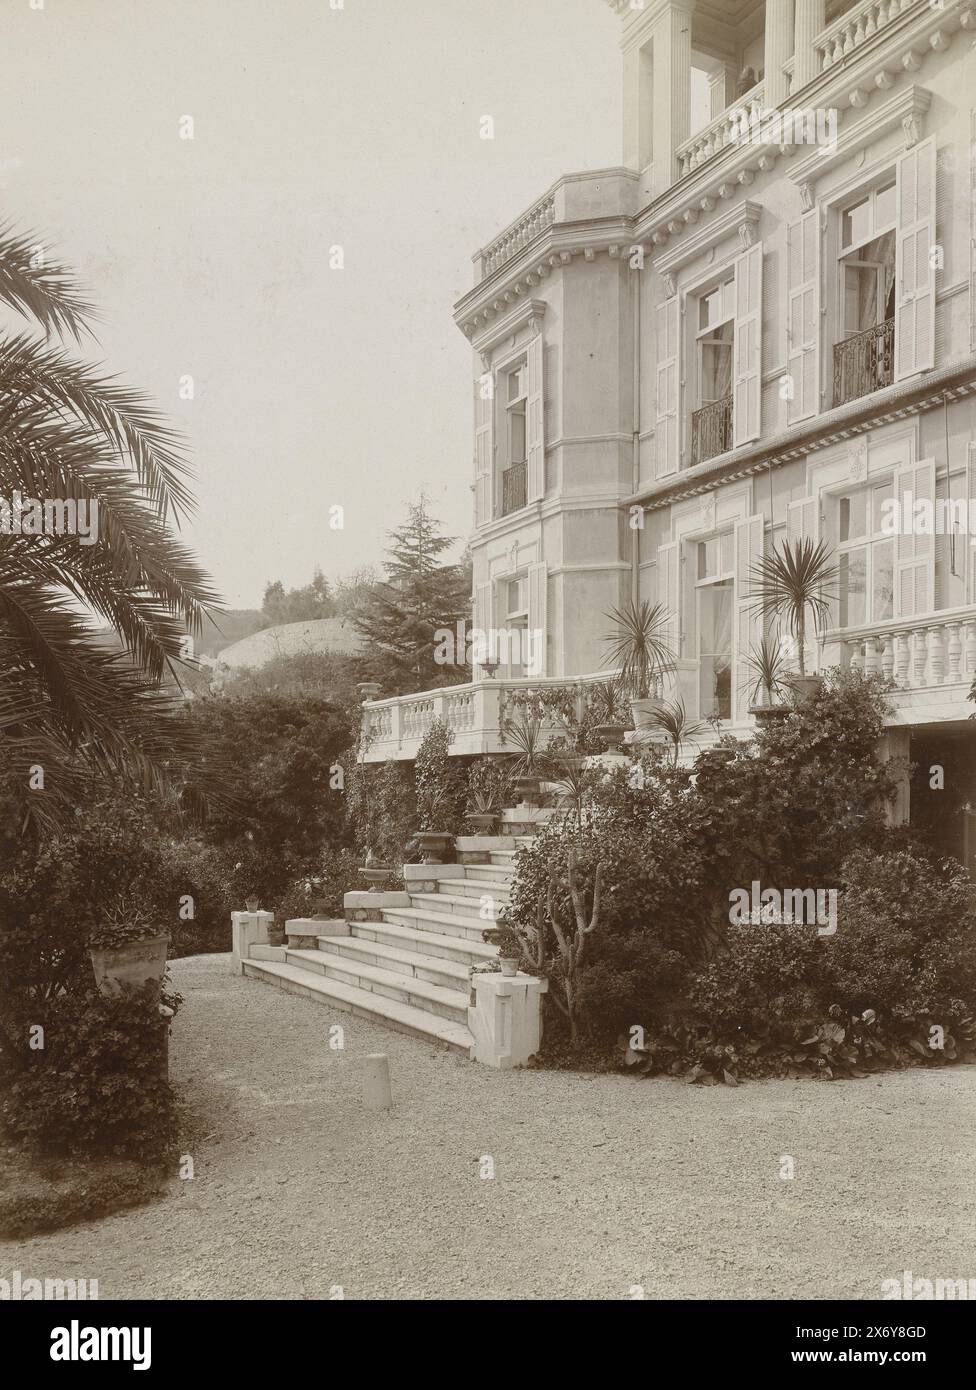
(761, 325)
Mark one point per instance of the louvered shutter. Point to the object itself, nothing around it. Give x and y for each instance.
(535, 445)
(803, 317)
(484, 416)
(747, 347)
(666, 419)
(914, 263)
(748, 619)
(915, 548)
(537, 619)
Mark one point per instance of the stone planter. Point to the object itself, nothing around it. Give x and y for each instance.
(805, 687)
(433, 845)
(643, 712)
(612, 736)
(131, 963)
(482, 821)
(529, 789)
(768, 713)
(369, 690)
(377, 878)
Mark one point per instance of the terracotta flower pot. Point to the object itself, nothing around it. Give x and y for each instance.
(509, 964)
(252, 904)
(129, 963)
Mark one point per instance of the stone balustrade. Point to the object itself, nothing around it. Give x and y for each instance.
(914, 654)
(725, 130)
(857, 26)
(511, 241)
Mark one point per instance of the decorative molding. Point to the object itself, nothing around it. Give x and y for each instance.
(748, 234)
(857, 458)
(708, 511)
(735, 219)
(526, 315)
(806, 196)
(910, 104)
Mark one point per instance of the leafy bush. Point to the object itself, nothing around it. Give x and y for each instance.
(96, 1086)
(439, 782)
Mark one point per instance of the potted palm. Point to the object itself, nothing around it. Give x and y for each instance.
(127, 949)
(532, 756)
(482, 810)
(788, 583)
(641, 650)
(766, 664)
(607, 708)
(671, 719)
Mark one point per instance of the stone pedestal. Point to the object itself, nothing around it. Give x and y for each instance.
(505, 1018)
(368, 907)
(248, 929)
(424, 878)
(303, 932)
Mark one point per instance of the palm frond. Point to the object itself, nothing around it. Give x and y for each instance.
(767, 663)
(640, 646)
(35, 284)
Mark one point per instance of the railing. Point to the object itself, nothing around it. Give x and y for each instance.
(513, 488)
(864, 362)
(856, 27)
(711, 430)
(913, 653)
(512, 240)
(475, 713)
(726, 129)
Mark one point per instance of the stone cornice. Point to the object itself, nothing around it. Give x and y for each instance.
(898, 402)
(738, 218)
(907, 109)
(522, 314)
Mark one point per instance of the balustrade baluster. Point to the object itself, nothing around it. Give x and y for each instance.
(936, 654)
(871, 657)
(857, 655)
(920, 658)
(969, 658)
(904, 657)
(887, 657)
(954, 650)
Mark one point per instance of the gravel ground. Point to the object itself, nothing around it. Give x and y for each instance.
(600, 1183)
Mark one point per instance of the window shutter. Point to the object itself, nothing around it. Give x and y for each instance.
(666, 420)
(484, 448)
(803, 317)
(801, 519)
(747, 347)
(537, 619)
(914, 271)
(482, 620)
(535, 445)
(914, 553)
(669, 584)
(748, 620)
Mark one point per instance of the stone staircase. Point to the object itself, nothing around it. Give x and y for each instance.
(406, 965)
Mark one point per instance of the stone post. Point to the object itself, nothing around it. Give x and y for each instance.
(248, 929)
(505, 1018)
(671, 58)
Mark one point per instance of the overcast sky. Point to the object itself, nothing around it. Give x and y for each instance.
(209, 257)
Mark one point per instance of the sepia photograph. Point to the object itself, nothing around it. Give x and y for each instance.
(488, 668)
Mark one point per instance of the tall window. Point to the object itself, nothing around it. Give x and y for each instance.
(514, 471)
(865, 559)
(864, 354)
(711, 423)
(713, 599)
(517, 623)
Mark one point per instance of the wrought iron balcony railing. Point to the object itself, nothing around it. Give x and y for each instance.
(711, 430)
(513, 488)
(864, 362)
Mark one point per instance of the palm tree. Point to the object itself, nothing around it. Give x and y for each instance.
(639, 647)
(71, 434)
(672, 719)
(792, 580)
(766, 664)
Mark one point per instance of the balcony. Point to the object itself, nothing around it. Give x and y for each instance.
(726, 129)
(857, 25)
(711, 430)
(864, 363)
(475, 714)
(929, 662)
(514, 491)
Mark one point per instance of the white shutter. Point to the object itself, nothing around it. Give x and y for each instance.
(484, 448)
(914, 552)
(482, 622)
(537, 620)
(803, 317)
(914, 270)
(747, 347)
(801, 519)
(669, 585)
(748, 619)
(535, 444)
(666, 420)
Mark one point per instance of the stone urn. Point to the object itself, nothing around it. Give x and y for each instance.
(433, 845)
(483, 822)
(612, 736)
(643, 711)
(377, 876)
(529, 788)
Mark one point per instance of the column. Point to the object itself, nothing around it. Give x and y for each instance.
(721, 89)
(671, 58)
(778, 47)
(638, 108)
(810, 21)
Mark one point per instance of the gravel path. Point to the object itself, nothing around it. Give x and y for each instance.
(601, 1182)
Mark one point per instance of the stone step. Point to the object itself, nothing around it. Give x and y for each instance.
(466, 928)
(475, 888)
(436, 970)
(446, 1003)
(504, 857)
(464, 908)
(411, 938)
(489, 873)
(363, 1003)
